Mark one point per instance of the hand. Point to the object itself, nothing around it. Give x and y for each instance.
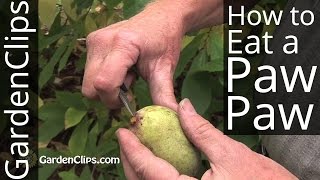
(151, 41)
(228, 158)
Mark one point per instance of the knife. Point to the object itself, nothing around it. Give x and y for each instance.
(124, 99)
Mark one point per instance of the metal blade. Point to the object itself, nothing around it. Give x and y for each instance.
(125, 101)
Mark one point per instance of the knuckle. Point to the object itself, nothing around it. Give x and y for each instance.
(91, 38)
(87, 92)
(103, 84)
(203, 131)
(126, 39)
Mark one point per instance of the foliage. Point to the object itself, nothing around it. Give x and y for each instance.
(73, 125)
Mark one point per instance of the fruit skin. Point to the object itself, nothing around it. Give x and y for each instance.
(158, 128)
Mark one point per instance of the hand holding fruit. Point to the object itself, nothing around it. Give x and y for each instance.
(228, 159)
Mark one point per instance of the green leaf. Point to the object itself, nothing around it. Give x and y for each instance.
(68, 175)
(106, 147)
(47, 40)
(64, 59)
(90, 24)
(91, 146)
(56, 26)
(75, 9)
(198, 88)
(187, 54)
(86, 173)
(73, 117)
(110, 133)
(70, 99)
(141, 91)
(131, 8)
(112, 3)
(202, 63)
(81, 62)
(215, 43)
(45, 170)
(47, 11)
(47, 71)
(53, 116)
(51, 111)
(120, 172)
(78, 140)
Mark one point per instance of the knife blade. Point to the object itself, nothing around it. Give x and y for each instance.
(124, 99)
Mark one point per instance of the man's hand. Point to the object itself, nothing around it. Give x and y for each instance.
(149, 41)
(228, 159)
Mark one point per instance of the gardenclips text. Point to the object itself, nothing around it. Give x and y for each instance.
(16, 54)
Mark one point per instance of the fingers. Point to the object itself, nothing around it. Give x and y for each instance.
(110, 55)
(111, 75)
(94, 59)
(202, 133)
(161, 85)
(142, 160)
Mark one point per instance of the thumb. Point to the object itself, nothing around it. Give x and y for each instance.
(161, 86)
(202, 133)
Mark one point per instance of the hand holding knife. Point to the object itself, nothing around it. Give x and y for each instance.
(124, 99)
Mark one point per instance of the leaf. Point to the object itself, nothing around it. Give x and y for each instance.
(47, 11)
(106, 147)
(70, 99)
(90, 24)
(73, 117)
(112, 3)
(68, 175)
(56, 26)
(120, 172)
(65, 57)
(80, 63)
(202, 63)
(131, 8)
(47, 40)
(51, 111)
(53, 116)
(198, 88)
(215, 43)
(187, 55)
(45, 170)
(86, 173)
(78, 140)
(91, 146)
(141, 91)
(186, 40)
(75, 9)
(110, 133)
(47, 71)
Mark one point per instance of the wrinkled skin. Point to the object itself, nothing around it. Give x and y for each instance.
(112, 51)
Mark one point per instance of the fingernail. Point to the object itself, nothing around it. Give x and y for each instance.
(118, 133)
(186, 106)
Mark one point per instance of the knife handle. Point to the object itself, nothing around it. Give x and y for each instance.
(124, 88)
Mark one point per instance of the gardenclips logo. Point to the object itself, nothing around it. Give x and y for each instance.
(19, 105)
(282, 72)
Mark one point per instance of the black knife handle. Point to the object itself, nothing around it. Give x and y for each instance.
(124, 88)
